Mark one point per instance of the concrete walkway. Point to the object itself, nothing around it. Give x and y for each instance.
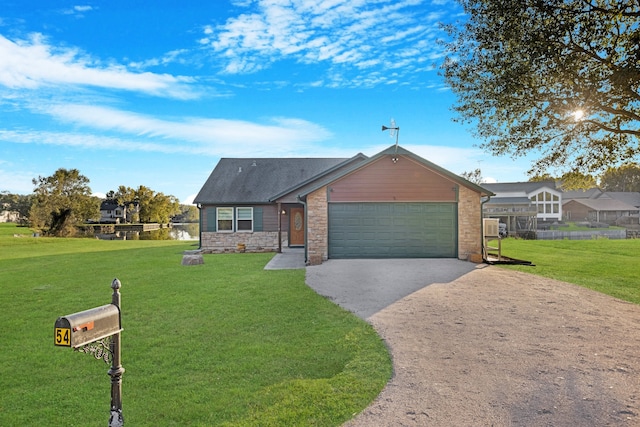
(289, 259)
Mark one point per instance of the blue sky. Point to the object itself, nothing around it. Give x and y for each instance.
(154, 92)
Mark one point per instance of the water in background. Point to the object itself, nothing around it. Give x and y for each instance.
(183, 231)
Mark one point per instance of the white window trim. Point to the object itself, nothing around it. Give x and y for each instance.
(237, 218)
(218, 219)
(547, 204)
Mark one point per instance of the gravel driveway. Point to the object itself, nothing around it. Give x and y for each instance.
(485, 346)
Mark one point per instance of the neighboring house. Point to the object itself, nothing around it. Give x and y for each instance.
(112, 212)
(524, 206)
(9, 216)
(392, 205)
(600, 206)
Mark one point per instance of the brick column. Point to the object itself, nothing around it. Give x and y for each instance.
(469, 223)
(317, 227)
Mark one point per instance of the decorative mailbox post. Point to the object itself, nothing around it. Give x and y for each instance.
(97, 331)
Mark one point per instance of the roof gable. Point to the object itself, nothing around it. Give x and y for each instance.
(394, 151)
(402, 180)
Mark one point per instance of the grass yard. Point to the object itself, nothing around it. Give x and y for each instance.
(607, 266)
(225, 343)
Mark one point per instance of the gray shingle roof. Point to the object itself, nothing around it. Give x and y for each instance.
(606, 205)
(524, 187)
(257, 180)
(591, 193)
(630, 198)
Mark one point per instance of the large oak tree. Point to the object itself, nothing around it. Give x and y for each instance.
(62, 201)
(559, 79)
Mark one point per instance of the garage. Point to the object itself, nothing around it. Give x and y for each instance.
(393, 230)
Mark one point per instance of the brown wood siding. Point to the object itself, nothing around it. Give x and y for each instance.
(386, 181)
(575, 211)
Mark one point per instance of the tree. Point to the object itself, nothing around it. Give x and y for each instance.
(148, 205)
(576, 180)
(558, 78)
(571, 180)
(624, 178)
(473, 176)
(541, 178)
(62, 201)
(188, 213)
(16, 203)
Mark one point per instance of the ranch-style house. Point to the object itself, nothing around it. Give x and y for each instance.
(394, 204)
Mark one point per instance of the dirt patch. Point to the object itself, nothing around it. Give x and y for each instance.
(503, 348)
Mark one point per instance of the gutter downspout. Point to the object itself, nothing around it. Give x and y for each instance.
(306, 246)
(199, 206)
(279, 228)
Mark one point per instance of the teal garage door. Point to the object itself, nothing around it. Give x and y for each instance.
(393, 230)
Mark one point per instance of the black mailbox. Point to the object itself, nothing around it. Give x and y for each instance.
(78, 329)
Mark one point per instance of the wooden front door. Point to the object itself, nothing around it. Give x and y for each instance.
(296, 227)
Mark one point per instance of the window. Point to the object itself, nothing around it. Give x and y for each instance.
(234, 219)
(224, 219)
(548, 204)
(244, 217)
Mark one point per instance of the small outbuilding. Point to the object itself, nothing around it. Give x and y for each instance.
(391, 205)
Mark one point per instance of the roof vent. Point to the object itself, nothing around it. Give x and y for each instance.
(239, 169)
(254, 163)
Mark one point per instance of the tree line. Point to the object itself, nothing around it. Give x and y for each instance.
(62, 202)
(624, 178)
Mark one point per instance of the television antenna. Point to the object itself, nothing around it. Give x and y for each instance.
(394, 131)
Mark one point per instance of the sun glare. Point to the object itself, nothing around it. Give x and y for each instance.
(578, 115)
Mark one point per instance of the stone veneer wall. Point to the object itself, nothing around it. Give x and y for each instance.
(469, 223)
(259, 241)
(317, 227)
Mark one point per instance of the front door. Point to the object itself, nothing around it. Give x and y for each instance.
(296, 227)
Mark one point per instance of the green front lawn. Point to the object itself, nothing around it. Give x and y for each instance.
(607, 266)
(224, 343)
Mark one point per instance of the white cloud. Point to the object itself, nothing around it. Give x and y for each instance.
(33, 64)
(78, 10)
(173, 56)
(189, 199)
(108, 128)
(346, 35)
(18, 182)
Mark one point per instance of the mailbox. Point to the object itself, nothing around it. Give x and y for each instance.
(78, 329)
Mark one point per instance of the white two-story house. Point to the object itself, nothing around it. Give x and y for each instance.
(524, 206)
